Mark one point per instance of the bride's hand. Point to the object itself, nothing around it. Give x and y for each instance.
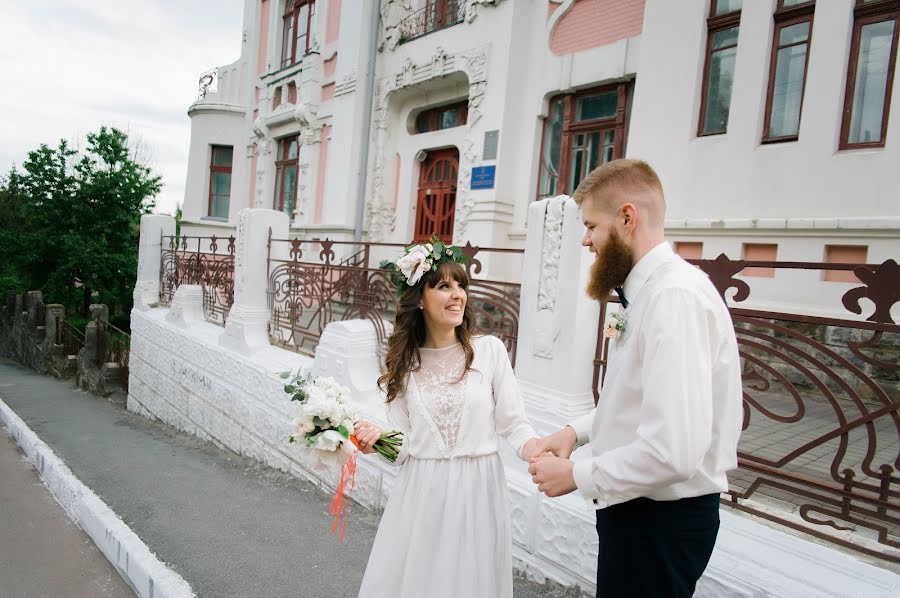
(367, 434)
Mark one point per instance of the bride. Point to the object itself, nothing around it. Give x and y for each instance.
(445, 531)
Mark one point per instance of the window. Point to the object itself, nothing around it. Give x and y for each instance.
(442, 117)
(787, 69)
(286, 175)
(220, 181)
(581, 132)
(718, 71)
(298, 30)
(870, 74)
(844, 254)
(689, 250)
(760, 252)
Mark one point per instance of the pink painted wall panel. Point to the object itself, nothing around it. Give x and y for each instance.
(263, 37)
(593, 23)
(333, 27)
(760, 252)
(844, 254)
(689, 250)
(328, 67)
(320, 176)
(328, 92)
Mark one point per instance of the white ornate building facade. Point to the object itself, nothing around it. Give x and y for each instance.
(386, 121)
(769, 122)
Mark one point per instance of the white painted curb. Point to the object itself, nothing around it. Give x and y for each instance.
(147, 575)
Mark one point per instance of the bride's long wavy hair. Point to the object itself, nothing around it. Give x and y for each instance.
(402, 354)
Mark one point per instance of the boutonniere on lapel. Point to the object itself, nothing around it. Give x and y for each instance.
(615, 325)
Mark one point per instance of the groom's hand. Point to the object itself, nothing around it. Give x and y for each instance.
(553, 475)
(560, 443)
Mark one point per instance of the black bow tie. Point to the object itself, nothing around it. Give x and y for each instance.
(621, 293)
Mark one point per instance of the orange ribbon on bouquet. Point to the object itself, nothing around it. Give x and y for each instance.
(348, 481)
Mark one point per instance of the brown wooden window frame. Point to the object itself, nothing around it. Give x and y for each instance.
(431, 117)
(714, 24)
(214, 168)
(867, 13)
(571, 127)
(291, 16)
(787, 17)
(282, 161)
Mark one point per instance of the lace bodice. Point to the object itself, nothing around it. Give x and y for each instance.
(442, 389)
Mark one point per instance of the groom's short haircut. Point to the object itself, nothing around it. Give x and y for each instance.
(626, 175)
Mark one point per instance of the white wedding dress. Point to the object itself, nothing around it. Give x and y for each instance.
(445, 532)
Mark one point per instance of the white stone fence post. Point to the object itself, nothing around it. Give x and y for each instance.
(557, 321)
(245, 329)
(146, 287)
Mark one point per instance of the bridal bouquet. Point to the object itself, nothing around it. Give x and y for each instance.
(324, 421)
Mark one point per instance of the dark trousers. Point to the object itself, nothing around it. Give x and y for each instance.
(655, 548)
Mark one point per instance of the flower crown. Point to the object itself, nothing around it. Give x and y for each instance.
(421, 258)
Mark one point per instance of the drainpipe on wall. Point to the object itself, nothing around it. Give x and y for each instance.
(375, 19)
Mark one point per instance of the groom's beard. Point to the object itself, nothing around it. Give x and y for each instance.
(614, 261)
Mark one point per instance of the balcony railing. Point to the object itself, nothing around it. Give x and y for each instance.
(436, 15)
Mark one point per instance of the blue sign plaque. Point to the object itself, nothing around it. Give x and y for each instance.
(483, 177)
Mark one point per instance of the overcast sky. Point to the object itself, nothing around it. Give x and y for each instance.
(69, 66)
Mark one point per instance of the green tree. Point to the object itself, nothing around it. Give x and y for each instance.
(84, 210)
(14, 233)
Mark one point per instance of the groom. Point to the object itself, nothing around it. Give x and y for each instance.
(666, 428)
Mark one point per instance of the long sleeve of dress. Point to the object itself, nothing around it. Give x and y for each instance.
(509, 411)
(398, 416)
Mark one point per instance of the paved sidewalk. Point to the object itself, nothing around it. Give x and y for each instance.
(42, 552)
(229, 526)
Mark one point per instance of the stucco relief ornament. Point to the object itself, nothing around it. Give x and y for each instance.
(392, 13)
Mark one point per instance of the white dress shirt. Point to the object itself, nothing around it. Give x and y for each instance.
(670, 411)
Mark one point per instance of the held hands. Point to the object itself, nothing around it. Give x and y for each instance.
(550, 467)
(367, 434)
(553, 475)
(560, 443)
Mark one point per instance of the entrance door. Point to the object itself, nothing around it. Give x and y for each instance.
(437, 195)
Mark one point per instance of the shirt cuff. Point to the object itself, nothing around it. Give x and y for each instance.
(582, 427)
(581, 471)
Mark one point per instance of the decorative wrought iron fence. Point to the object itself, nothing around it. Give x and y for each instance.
(821, 431)
(434, 16)
(313, 283)
(204, 261)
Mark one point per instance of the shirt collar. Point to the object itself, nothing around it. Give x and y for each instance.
(642, 270)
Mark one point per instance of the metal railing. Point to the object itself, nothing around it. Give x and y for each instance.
(113, 346)
(314, 283)
(204, 261)
(69, 337)
(821, 430)
(434, 16)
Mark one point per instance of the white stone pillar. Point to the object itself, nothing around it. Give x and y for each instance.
(245, 328)
(557, 321)
(146, 287)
